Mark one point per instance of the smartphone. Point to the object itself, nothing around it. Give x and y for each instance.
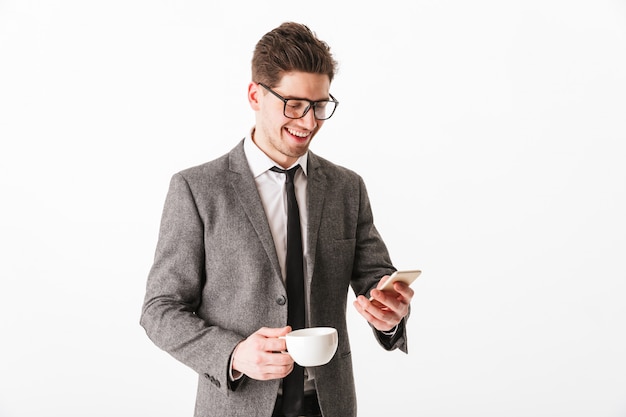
(407, 276)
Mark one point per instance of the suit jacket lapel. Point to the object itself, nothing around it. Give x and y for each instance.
(316, 192)
(245, 189)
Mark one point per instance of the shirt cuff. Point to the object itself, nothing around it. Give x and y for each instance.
(390, 333)
(232, 374)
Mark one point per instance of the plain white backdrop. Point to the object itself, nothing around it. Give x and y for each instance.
(490, 135)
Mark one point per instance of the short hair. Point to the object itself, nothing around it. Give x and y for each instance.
(291, 47)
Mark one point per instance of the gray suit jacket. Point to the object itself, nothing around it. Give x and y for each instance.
(216, 278)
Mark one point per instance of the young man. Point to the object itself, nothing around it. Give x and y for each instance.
(223, 289)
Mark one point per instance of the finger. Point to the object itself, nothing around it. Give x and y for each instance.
(278, 365)
(384, 299)
(373, 313)
(273, 331)
(280, 359)
(382, 281)
(394, 303)
(275, 345)
(397, 299)
(390, 302)
(268, 372)
(379, 324)
(404, 290)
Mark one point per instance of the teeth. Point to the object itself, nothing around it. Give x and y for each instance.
(298, 134)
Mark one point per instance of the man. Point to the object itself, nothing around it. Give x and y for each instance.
(218, 295)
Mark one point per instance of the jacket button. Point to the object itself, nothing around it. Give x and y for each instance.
(281, 301)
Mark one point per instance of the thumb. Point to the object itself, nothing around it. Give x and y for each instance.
(273, 331)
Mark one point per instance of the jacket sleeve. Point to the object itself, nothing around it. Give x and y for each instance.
(372, 262)
(174, 292)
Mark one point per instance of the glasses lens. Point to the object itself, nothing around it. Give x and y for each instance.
(295, 109)
(324, 109)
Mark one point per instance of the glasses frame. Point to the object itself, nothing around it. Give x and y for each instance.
(312, 104)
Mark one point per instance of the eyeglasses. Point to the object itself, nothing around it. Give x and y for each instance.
(297, 108)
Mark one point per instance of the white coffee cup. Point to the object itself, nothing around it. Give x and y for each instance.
(313, 346)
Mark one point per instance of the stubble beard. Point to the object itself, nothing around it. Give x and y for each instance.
(283, 147)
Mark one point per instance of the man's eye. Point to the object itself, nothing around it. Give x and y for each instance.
(296, 104)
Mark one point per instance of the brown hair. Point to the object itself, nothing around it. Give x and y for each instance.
(290, 47)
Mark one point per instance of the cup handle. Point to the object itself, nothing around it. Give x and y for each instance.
(284, 338)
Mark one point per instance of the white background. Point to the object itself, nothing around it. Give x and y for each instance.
(490, 135)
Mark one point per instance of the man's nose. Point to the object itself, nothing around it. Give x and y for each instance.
(308, 120)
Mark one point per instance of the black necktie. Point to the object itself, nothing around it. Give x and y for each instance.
(293, 384)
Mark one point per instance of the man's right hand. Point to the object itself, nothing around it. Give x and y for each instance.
(260, 355)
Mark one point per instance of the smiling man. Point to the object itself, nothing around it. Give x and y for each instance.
(269, 238)
(285, 139)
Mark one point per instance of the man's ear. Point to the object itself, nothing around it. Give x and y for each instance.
(253, 96)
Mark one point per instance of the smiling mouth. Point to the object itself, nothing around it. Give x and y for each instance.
(298, 133)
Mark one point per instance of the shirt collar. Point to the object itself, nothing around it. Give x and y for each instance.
(259, 162)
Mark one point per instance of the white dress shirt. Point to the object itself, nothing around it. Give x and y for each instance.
(271, 186)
